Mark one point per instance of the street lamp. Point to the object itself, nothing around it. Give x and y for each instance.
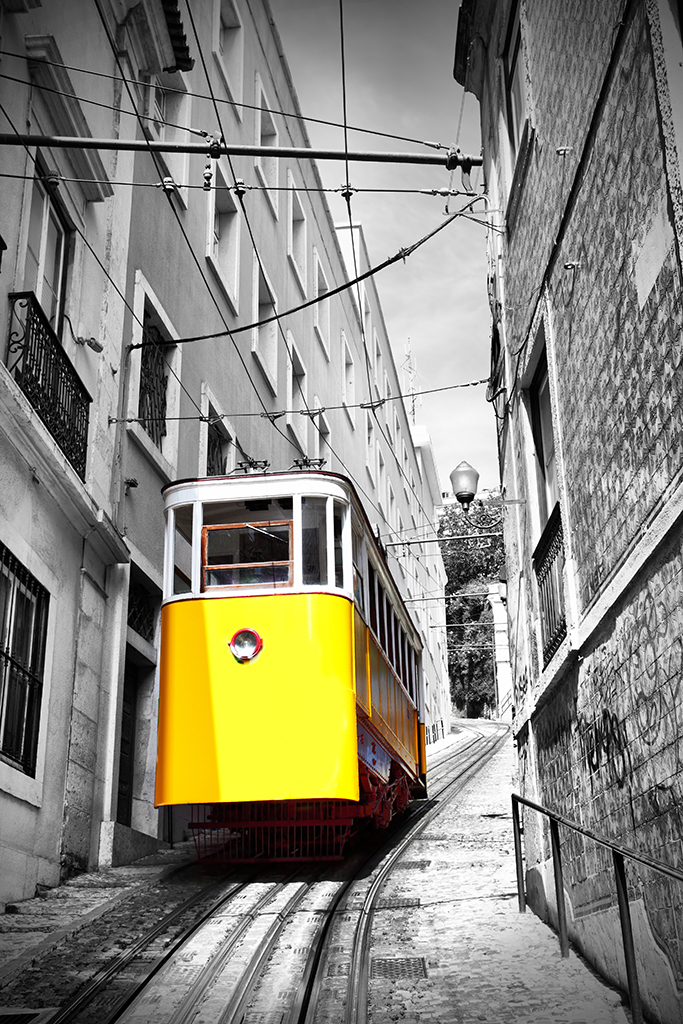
(464, 480)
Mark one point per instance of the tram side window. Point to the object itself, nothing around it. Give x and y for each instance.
(182, 548)
(358, 588)
(314, 540)
(373, 599)
(338, 518)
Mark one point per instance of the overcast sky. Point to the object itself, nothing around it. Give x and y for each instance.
(399, 79)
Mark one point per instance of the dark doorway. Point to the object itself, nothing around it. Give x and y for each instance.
(124, 810)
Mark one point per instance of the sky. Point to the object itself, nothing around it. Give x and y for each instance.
(399, 80)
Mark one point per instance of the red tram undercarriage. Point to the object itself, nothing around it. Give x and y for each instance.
(296, 830)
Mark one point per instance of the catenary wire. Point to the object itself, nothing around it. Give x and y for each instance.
(144, 83)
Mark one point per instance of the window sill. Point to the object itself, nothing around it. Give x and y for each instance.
(267, 185)
(270, 379)
(350, 415)
(323, 341)
(229, 293)
(299, 275)
(519, 177)
(235, 95)
(164, 467)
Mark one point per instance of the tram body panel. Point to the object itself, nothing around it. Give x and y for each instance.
(280, 727)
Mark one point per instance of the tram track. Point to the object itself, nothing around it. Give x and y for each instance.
(262, 950)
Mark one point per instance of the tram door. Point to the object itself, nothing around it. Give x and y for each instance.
(124, 811)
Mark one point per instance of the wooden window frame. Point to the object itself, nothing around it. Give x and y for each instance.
(247, 565)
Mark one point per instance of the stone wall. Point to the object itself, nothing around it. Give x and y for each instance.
(592, 260)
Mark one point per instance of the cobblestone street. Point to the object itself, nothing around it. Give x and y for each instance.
(448, 944)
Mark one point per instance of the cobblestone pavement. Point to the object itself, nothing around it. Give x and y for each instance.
(483, 960)
(463, 954)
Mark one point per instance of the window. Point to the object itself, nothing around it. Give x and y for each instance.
(218, 449)
(152, 397)
(321, 309)
(46, 253)
(381, 481)
(314, 540)
(348, 379)
(267, 136)
(391, 506)
(154, 393)
(264, 338)
(223, 236)
(370, 453)
(296, 394)
(379, 370)
(168, 113)
(23, 625)
(216, 455)
(296, 235)
(247, 544)
(247, 555)
(322, 435)
(228, 50)
(515, 88)
(544, 442)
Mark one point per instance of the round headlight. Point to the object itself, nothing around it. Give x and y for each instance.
(246, 644)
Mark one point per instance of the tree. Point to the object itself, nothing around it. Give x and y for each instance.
(473, 561)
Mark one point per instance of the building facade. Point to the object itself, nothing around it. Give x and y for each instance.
(155, 332)
(581, 113)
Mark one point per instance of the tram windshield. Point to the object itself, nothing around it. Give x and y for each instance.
(247, 543)
(286, 541)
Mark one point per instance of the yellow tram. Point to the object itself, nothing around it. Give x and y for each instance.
(291, 701)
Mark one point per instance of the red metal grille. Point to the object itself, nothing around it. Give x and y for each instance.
(282, 830)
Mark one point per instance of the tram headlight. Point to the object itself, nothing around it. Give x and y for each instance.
(245, 644)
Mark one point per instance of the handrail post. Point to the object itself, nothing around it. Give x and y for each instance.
(627, 937)
(559, 888)
(517, 833)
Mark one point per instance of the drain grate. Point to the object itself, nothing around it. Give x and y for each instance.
(429, 837)
(399, 903)
(263, 1017)
(338, 970)
(412, 865)
(23, 1016)
(401, 967)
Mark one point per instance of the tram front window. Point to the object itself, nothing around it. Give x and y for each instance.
(247, 543)
(247, 554)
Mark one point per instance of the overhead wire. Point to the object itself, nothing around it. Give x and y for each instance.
(99, 262)
(144, 83)
(277, 317)
(347, 194)
(178, 221)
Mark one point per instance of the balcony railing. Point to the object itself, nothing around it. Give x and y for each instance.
(41, 368)
(548, 561)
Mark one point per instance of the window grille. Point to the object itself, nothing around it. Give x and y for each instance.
(217, 452)
(23, 621)
(142, 611)
(153, 382)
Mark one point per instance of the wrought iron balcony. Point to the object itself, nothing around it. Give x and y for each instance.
(548, 561)
(43, 371)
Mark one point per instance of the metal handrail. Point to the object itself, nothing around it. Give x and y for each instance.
(619, 854)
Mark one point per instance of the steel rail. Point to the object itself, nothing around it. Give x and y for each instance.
(186, 1009)
(97, 984)
(450, 159)
(236, 1008)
